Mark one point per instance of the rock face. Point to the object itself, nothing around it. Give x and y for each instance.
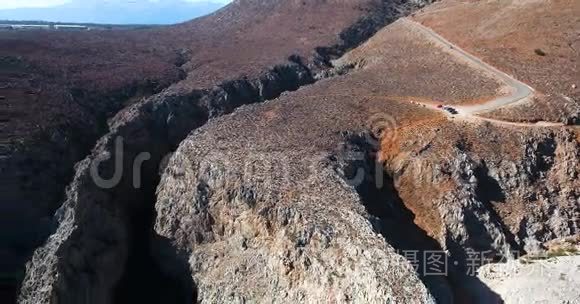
(60, 88)
(81, 262)
(253, 232)
(152, 127)
(323, 194)
(238, 207)
(492, 200)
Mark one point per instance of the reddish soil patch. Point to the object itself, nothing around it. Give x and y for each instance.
(507, 34)
(400, 61)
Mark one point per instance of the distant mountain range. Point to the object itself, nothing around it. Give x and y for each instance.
(117, 12)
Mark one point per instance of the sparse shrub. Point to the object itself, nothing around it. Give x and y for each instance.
(539, 52)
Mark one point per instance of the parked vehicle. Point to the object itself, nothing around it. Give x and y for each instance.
(451, 110)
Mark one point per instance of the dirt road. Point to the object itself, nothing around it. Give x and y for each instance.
(519, 91)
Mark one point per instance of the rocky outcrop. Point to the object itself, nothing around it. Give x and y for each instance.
(220, 202)
(251, 231)
(82, 262)
(40, 148)
(491, 203)
(279, 202)
(99, 221)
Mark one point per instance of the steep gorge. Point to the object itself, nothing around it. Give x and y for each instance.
(482, 204)
(155, 126)
(41, 147)
(243, 195)
(87, 256)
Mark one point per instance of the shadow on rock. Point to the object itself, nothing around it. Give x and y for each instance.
(396, 223)
(158, 274)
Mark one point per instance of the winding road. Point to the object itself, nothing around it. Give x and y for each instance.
(519, 91)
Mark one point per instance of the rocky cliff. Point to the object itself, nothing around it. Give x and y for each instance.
(242, 198)
(253, 226)
(289, 181)
(81, 262)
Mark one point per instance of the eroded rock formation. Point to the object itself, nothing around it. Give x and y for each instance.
(82, 262)
(274, 185)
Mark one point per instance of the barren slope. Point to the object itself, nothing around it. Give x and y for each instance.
(535, 41)
(406, 64)
(320, 194)
(230, 58)
(244, 186)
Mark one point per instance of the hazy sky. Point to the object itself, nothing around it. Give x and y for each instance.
(108, 11)
(11, 4)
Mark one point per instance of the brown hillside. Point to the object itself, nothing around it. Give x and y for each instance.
(59, 89)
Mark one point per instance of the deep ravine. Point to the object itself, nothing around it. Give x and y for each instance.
(108, 232)
(395, 222)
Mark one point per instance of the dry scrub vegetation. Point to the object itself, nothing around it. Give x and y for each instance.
(508, 35)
